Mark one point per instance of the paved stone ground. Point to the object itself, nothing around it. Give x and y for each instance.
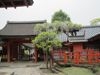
(21, 68)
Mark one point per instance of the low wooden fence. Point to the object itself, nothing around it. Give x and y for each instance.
(84, 57)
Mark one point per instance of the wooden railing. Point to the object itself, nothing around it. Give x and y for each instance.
(84, 57)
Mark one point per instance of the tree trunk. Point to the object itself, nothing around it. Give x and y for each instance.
(51, 60)
(50, 64)
(47, 59)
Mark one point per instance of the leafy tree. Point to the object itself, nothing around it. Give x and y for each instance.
(95, 21)
(44, 27)
(40, 28)
(63, 23)
(60, 16)
(46, 41)
(47, 37)
(60, 27)
(72, 26)
(55, 27)
(65, 27)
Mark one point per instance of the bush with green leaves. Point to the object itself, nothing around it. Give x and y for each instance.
(46, 40)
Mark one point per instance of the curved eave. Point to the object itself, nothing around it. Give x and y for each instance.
(78, 41)
(17, 36)
(15, 3)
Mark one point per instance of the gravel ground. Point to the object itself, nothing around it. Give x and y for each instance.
(19, 69)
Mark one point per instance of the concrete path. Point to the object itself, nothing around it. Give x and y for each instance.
(19, 68)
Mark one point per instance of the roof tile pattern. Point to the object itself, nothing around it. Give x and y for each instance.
(20, 28)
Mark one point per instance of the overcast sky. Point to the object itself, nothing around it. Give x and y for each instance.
(80, 11)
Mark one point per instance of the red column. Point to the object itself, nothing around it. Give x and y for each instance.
(76, 57)
(96, 56)
(90, 56)
(65, 58)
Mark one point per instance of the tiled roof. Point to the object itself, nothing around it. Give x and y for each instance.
(15, 3)
(91, 31)
(62, 37)
(88, 32)
(25, 28)
(20, 28)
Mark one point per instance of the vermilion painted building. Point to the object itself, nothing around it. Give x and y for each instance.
(84, 45)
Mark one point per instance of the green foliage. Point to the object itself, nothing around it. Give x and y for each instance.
(95, 21)
(57, 27)
(76, 71)
(44, 27)
(69, 24)
(46, 40)
(60, 26)
(72, 26)
(47, 33)
(54, 27)
(60, 16)
(77, 26)
(63, 23)
(40, 28)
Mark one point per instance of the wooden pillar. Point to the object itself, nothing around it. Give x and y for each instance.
(36, 55)
(8, 52)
